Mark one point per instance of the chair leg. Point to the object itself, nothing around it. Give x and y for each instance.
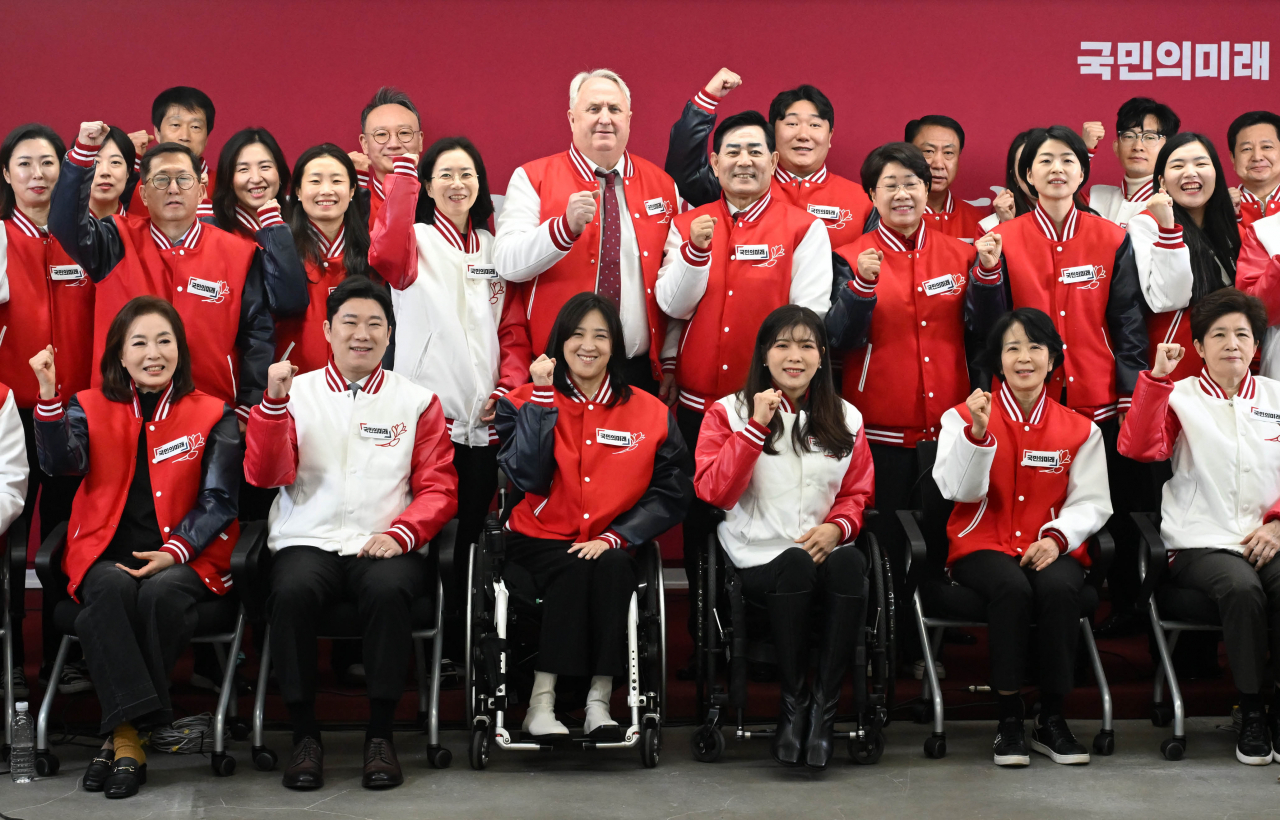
(420, 674)
(1164, 647)
(931, 674)
(46, 704)
(8, 675)
(1099, 675)
(260, 697)
(228, 694)
(437, 650)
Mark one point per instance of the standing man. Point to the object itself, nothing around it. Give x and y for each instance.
(593, 218)
(389, 127)
(1254, 139)
(183, 115)
(941, 139)
(803, 122)
(1142, 126)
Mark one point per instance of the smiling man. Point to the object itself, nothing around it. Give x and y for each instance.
(1254, 140)
(803, 123)
(389, 127)
(1142, 126)
(593, 218)
(183, 115)
(941, 139)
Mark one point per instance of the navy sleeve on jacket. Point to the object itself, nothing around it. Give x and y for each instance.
(217, 503)
(984, 304)
(284, 277)
(528, 450)
(1125, 320)
(93, 243)
(63, 444)
(670, 492)
(255, 338)
(687, 162)
(849, 319)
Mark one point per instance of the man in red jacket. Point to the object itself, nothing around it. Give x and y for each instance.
(941, 139)
(389, 127)
(183, 115)
(1254, 140)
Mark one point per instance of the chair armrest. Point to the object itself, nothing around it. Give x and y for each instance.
(251, 569)
(1153, 557)
(49, 558)
(16, 543)
(451, 558)
(1102, 551)
(918, 553)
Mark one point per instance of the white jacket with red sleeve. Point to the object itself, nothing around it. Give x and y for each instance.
(352, 467)
(771, 500)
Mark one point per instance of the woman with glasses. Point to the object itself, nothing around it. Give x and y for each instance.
(1142, 126)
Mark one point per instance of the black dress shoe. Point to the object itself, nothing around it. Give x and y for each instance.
(99, 769)
(306, 766)
(381, 766)
(124, 779)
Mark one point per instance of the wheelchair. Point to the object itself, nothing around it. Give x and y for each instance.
(502, 644)
(341, 622)
(12, 565)
(219, 622)
(733, 631)
(939, 604)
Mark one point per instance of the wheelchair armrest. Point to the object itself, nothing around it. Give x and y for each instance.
(251, 569)
(918, 554)
(451, 558)
(49, 558)
(1152, 555)
(16, 543)
(1102, 551)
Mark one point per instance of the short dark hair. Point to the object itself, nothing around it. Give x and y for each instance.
(149, 158)
(567, 322)
(355, 254)
(743, 119)
(1222, 302)
(30, 131)
(903, 153)
(117, 384)
(183, 96)
(482, 208)
(807, 93)
(1038, 137)
(358, 287)
(224, 192)
(1137, 109)
(940, 120)
(1248, 119)
(1039, 328)
(389, 95)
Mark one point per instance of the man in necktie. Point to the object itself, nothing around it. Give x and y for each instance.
(593, 218)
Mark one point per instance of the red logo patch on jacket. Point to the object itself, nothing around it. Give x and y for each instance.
(209, 291)
(186, 448)
(775, 256)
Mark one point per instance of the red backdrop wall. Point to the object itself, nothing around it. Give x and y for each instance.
(498, 70)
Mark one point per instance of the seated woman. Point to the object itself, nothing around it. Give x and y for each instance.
(788, 459)
(1220, 428)
(1029, 478)
(603, 467)
(152, 526)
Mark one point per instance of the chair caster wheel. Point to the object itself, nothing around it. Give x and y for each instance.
(922, 713)
(224, 765)
(478, 752)
(1174, 748)
(439, 757)
(935, 746)
(239, 729)
(47, 764)
(869, 750)
(1161, 714)
(707, 744)
(264, 759)
(650, 745)
(1104, 743)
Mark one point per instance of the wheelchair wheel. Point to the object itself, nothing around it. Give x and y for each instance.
(885, 628)
(707, 744)
(869, 750)
(650, 744)
(1174, 748)
(478, 752)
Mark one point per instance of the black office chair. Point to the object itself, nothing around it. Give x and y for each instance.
(15, 567)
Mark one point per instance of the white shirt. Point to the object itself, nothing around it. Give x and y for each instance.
(13, 462)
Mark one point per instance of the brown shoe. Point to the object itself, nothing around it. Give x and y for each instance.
(306, 767)
(381, 766)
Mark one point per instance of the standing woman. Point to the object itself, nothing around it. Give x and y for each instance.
(153, 525)
(603, 467)
(789, 461)
(114, 178)
(457, 332)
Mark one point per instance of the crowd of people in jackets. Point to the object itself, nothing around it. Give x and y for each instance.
(353, 347)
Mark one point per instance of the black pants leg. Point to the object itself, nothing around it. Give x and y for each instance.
(1135, 487)
(584, 605)
(698, 522)
(133, 632)
(843, 573)
(639, 374)
(384, 590)
(477, 484)
(896, 474)
(304, 580)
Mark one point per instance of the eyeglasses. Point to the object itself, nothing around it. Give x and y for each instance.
(403, 135)
(447, 177)
(910, 187)
(161, 181)
(1148, 137)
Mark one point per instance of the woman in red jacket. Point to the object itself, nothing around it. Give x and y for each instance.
(603, 467)
(153, 524)
(113, 177)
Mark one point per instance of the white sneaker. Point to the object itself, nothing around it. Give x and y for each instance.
(598, 705)
(540, 718)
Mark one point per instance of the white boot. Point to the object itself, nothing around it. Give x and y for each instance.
(598, 704)
(540, 719)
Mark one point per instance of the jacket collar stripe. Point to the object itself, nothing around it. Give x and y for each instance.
(375, 184)
(247, 219)
(948, 207)
(894, 241)
(26, 225)
(334, 249)
(338, 384)
(1248, 388)
(1248, 196)
(785, 177)
(752, 212)
(188, 240)
(1046, 224)
(468, 244)
(603, 393)
(1014, 409)
(586, 169)
(1144, 192)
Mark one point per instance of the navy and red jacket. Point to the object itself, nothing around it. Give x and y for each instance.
(284, 278)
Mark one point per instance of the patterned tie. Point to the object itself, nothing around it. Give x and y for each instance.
(609, 279)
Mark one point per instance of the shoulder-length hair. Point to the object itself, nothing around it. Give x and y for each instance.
(826, 420)
(224, 191)
(567, 321)
(30, 131)
(1218, 240)
(1037, 137)
(117, 384)
(355, 256)
(481, 209)
(1039, 329)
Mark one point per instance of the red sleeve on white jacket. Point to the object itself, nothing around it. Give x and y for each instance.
(1257, 273)
(725, 460)
(393, 243)
(434, 483)
(1151, 428)
(857, 491)
(271, 444)
(515, 350)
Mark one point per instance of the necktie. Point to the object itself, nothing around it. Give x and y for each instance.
(354, 387)
(609, 279)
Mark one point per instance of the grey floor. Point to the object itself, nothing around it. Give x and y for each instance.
(1134, 784)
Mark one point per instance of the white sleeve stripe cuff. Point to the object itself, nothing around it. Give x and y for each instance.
(547, 397)
(560, 237)
(705, 100)
(612, 539)
(862, 286)
(180, 551)
(844, 526)
(403, 532)
(273, 409)
(753, 435)
(404, 166)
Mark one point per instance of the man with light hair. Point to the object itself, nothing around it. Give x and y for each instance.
(593, 218)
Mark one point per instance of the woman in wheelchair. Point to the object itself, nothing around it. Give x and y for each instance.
(602, 467)
(1029, 478)
(788, 459)
(153, 525)
(1221, 427)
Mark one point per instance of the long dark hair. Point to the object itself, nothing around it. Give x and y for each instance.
(355, 256)
(1021, 204)
(117, 384)
(481, 209)
(1218, 240)
(30, 131)
(567, 322)
(826, 420)
(224, 191)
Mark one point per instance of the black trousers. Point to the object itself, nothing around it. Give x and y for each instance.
(306, 580)
(896, 473)
(1017, 597)
(1248, 601)
(1135, 487)
(584, 605)
(477, 484)
(698, 521)
(133, 632)
(639, 374)
(843, 573)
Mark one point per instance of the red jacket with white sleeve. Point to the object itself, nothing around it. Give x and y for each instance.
(771, 500)
(1031, 477)
(352, 466)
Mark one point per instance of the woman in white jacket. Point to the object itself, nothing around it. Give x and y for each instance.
(1221, 510)
(788, 459)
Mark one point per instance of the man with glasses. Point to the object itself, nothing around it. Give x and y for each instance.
(941, 139)
(389, 127)
(1142, 125)
(183, 115)
(212, 277)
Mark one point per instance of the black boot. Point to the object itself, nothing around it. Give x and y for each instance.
(789, 619)
(843, 623)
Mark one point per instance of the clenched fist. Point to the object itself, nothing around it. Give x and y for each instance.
(869, 264)
(1167, 358)
(1092, 133)
(766, 404)
(721, 84)
(1004, 205)
(580, 210)
(1161, 207)
(42, 364)
(280, 379)
(1235, 200)
(979, 404)
(93, 133)
(989, 246)
(140, 140)
(701, 230)
(360, 160)
(541, 370)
